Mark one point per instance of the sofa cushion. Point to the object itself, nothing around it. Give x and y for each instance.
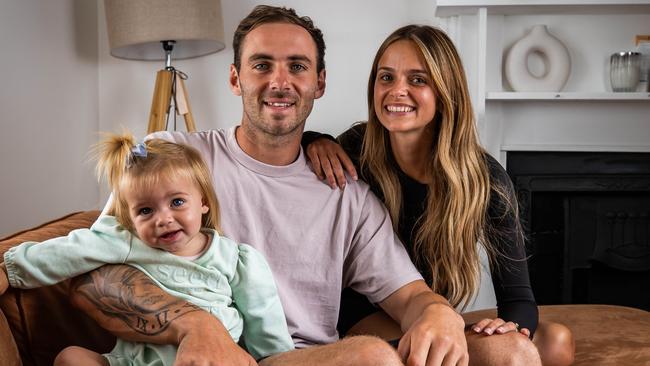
(604, 334)
(42, 320)
(8, 352)
(51, 229)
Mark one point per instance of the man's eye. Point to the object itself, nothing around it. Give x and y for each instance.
(298, 67)
(178, 202)
(261, 67)
(144, 211)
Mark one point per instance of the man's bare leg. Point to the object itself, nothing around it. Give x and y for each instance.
(511, 348)
(500, 349)
(358, 350)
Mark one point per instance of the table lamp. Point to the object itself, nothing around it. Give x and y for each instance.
(158, 30)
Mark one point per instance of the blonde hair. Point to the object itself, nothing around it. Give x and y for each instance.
(121, 167)
(455, 217)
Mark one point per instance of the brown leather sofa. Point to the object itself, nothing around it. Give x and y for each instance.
(36, 324)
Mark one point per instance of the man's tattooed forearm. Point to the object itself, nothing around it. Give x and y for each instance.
(127, 294)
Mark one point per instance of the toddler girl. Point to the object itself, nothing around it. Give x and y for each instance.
(164, 221)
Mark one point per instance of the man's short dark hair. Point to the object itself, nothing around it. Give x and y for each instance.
(264, 14)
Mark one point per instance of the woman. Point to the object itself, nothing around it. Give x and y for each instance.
(420, 154)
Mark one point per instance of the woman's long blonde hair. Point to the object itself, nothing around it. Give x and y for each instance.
(152, 161)
(458, 195)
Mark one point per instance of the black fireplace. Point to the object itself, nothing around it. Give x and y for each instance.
(586, 218)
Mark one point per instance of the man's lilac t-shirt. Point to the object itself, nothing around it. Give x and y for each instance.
(317, 240)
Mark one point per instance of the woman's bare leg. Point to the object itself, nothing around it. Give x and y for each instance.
(555, 344)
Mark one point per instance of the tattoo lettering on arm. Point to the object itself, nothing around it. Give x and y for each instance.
(123, 292)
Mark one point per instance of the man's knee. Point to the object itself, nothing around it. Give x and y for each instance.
(526, 352)
(506, 349)
(371, 351)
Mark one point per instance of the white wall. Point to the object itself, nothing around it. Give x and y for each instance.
(49, 104)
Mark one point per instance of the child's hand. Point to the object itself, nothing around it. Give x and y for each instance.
(4, 281)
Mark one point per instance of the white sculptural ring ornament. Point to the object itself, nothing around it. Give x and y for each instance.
(555, 54)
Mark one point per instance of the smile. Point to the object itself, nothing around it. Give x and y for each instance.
(400, 108)
(170, 236)
(278, 104)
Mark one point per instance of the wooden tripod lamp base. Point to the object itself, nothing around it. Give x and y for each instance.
(166, 81)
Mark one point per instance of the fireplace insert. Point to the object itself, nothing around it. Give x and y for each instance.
(586, 219)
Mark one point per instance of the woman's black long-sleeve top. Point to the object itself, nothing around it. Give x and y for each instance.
(515, 300)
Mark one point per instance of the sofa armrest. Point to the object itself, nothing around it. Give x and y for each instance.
(8, 351)
(42, 321)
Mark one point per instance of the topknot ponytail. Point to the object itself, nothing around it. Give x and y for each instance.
(113, 154)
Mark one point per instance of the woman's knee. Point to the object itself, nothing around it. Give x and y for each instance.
(555, 343)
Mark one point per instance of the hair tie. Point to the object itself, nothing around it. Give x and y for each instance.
(139, 150)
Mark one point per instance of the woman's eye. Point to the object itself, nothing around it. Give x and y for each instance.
(177, 202)
(144, 211)
(385, 77)
(418, 80)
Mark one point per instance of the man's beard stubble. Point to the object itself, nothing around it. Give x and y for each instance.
(274, 129)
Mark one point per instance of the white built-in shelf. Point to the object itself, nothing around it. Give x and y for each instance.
(510, 7)
(587, 117)
(601, 96)
(576, 147)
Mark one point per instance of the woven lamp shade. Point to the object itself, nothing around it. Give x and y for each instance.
(136, 27)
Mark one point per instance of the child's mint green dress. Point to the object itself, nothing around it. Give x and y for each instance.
(231, 281)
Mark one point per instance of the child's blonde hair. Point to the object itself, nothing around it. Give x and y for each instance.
(125, 163)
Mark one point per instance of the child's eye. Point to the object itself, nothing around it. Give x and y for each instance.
(145, 211)
(177, 202)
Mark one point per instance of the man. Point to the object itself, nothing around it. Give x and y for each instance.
(316, 240)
